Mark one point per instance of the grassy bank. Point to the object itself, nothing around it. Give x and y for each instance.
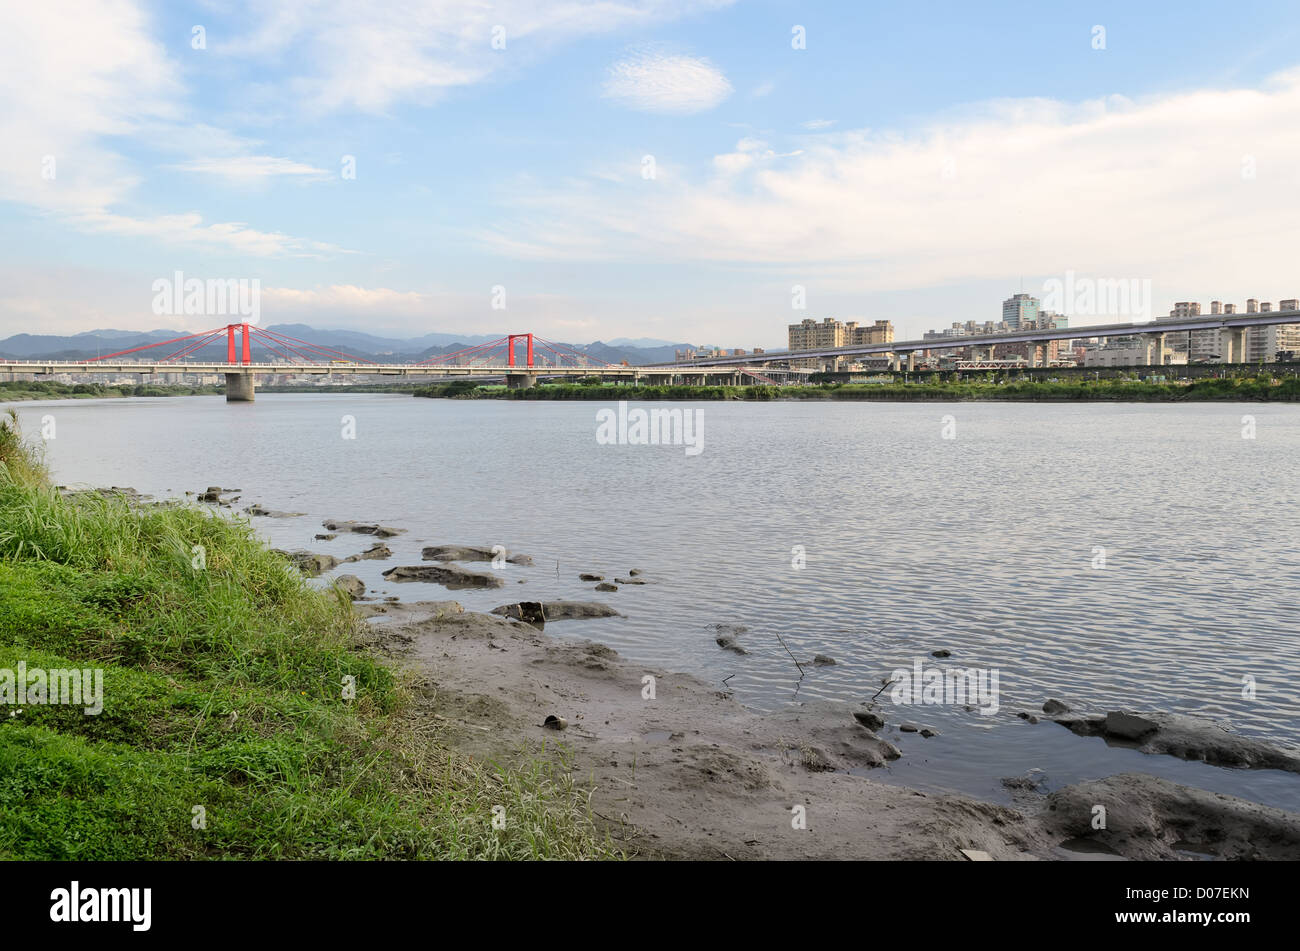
(14, 390)
(223, 689)
(1261, 389)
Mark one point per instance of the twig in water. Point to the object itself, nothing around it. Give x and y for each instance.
(792, 657)
(888, 683)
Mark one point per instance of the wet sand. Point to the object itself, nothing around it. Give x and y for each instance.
(690, 773)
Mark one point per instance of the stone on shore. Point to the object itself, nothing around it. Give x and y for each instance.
(378, 550)
(449, 576)
(351, 585)
(1151, 818)
(556, 610)
(470, 553)
(872, 721)
(1185, 737)
(362, 528)
(308, 562)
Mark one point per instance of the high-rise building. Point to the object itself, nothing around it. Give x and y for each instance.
(808, 334)
(1020, 311)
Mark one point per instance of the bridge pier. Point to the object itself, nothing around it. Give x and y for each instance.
(240, 387)
(521, 381)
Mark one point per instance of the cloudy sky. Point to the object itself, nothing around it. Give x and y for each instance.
(640, 168)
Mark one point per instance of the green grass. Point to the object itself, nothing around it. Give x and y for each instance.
(1244, 388)
(223, 688)
(51, 390)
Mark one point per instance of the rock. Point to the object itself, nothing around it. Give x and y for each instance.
(449, 576)
(556, 610)
(1054, 707)
(351, 585)
(940, 653)
(470, 553)
(634, 572)
(378, 550)
(1188, 738)
(257, 511)
(909, 728)
(728, 643)
(588, 577)
(821, 660)
(606, 586)
(928, 732)
(1128, 726)
(552, 722)
(1027, 716)
(362, 528)
(326, 538)
(872, 721)
(1149, 818)
(628, 581)
(211, 494)
(309, 563)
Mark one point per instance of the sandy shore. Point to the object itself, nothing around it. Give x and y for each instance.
(693, 774)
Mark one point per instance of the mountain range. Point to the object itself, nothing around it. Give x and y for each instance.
(97, 343)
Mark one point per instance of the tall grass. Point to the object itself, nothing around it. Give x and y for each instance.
(224, 689)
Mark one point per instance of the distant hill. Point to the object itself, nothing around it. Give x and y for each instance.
(96, 343)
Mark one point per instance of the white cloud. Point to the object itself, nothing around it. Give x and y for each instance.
(817, 125)
(371, 56)
(244, 168)
(78, 76)
(664, 82)
(1113, 187)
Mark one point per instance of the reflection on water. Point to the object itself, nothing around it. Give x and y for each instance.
(983, 545)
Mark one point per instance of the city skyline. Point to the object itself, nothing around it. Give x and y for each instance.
(396, 194)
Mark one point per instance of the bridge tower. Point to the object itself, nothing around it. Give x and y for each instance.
(240, 386)
(519, 381)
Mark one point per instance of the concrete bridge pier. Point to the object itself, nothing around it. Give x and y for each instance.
(911, 361)
(521, 381)
(1232, 345)
(1156, 349)
(240, 387)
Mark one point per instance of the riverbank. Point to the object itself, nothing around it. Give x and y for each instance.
(1233, 389)
(679, 769)
(242, 716)
(20, 391)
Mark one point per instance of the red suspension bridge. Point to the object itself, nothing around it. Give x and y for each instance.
(252, 351)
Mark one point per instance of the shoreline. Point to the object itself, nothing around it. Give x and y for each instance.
(693, 774)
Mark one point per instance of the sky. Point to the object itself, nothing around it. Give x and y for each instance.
(702, 172)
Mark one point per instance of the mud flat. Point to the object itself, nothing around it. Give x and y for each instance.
(679, 769)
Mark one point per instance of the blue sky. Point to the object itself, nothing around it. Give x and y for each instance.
(916, 162)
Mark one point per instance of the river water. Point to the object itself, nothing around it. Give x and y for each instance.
(1138, 555)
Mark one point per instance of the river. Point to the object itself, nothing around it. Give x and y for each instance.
(1135, 555)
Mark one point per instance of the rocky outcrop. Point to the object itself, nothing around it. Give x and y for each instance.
(471, 553)
(1185, 737)
(449, 576)
(362, 528)
(376, 551)
(1151, 818)
(555, 610)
